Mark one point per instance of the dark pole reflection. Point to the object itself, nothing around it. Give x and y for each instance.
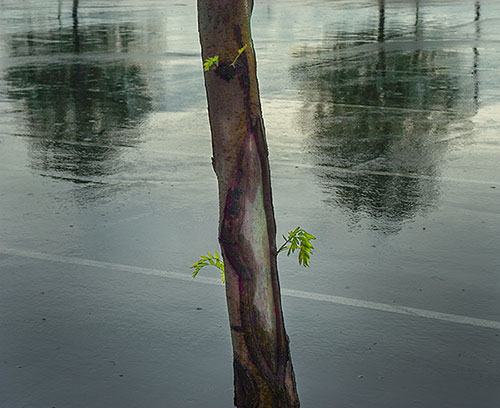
(74, 12)
(475, 50)
(381, 20)
(381, 64)
(76, 34)
(417, 19)
(59, 9)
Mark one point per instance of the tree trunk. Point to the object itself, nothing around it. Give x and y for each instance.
(263, 372)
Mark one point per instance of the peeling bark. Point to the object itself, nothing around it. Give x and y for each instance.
(263, 372)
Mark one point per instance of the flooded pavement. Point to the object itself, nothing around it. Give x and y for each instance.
(384, 136)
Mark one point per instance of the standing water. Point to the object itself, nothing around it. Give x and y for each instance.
(384, 133)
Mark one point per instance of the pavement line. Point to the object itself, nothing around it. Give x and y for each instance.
(404, 310)
(108, 265)
(338, 300)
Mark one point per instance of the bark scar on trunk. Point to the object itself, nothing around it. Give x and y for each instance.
(239, 254)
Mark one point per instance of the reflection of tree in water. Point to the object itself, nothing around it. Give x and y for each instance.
(380, 117)
(81, 105)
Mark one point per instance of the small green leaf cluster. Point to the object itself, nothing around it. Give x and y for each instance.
(297, 239)
(301, 240)
(240, 51)
(214, 260)
(211, 61)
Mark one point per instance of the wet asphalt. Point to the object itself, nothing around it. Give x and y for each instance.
(383, 128)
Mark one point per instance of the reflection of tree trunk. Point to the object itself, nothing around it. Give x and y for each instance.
(59, 8)
(76, 34)
(475, 51)
(74, 13)
(381, 20)
(417, 19)
(263, 372)
(381, 61)
(475, 75)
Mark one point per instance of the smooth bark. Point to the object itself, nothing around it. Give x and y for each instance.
(263, 372)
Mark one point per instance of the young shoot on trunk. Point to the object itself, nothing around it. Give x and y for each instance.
(298, 239)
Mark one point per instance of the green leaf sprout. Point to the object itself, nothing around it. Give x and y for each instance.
(240, 51)
(301, 240)
(297, 239)
(210, 61)
(214, 260)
